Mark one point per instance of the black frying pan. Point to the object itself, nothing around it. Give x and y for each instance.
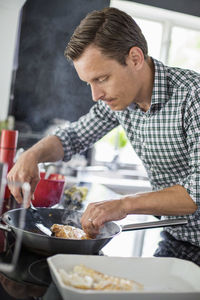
(36, 241)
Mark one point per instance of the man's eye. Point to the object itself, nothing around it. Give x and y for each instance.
(102, 79)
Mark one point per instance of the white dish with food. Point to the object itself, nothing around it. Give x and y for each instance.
(161, 278)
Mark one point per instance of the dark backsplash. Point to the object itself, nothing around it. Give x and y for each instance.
(46, 85)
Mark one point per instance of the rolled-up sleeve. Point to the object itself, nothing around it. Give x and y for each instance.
(78, 136)
(192, 129)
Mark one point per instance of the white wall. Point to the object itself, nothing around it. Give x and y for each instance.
(9, 21)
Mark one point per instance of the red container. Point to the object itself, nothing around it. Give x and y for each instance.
(49, 191)
(8, 144)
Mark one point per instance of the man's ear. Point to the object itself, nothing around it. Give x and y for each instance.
(136, 57)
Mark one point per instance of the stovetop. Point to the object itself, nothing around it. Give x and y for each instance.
(25, 261)
(30, 279)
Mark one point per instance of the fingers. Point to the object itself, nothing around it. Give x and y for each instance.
(17, 191)
(98, 213)
(34, 181)
(15, 188)
(19, 175)
(94, 218)
(89, 222)
(90, 226)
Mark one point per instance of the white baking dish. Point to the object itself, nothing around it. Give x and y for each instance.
(163, 278)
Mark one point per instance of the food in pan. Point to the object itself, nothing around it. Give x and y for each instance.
(82, 277)
(69, 232)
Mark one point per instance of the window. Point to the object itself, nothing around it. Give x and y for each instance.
(185, 51)
(152, 31)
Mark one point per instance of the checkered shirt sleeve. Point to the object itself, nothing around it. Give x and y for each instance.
(77, 137)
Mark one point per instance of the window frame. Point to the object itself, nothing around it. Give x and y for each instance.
(168, 18)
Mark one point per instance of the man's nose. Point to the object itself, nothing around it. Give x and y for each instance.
(97, 93)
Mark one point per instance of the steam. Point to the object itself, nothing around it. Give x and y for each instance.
(73, 218)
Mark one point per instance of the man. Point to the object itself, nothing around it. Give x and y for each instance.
(158, 107)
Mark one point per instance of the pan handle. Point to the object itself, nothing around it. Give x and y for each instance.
(5, 227)
(154, 224)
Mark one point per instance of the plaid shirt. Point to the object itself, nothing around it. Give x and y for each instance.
(166, 137)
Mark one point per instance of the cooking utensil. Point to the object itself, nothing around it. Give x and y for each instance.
(35, 241)
(39, 224)
(50, 170)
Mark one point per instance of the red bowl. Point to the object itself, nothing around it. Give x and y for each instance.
(49, 191)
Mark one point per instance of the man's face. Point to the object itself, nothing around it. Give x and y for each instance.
(117, 85)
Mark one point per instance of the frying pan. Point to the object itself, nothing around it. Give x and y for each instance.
(38, 242)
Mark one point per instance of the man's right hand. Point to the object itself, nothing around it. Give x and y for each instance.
(24, 170)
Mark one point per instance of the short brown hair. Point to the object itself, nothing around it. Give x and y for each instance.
(111, 30)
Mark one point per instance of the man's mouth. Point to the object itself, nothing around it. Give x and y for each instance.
(109, 101)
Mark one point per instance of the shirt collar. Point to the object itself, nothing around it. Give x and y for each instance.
(160, 87)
